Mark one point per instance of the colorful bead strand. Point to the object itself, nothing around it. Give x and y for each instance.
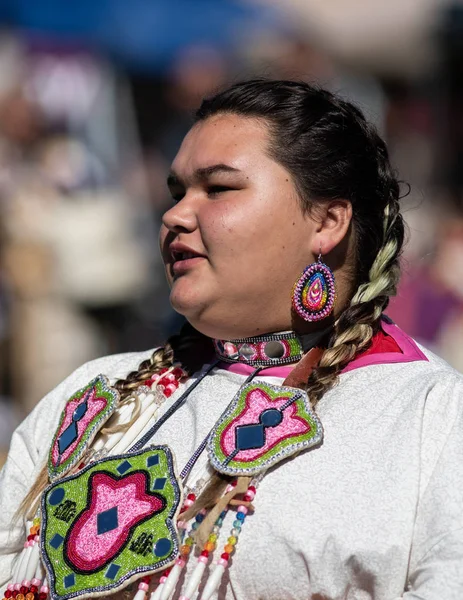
(215, 578)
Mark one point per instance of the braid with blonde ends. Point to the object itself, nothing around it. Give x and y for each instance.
(332, 152)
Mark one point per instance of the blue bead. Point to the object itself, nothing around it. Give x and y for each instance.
(162, 547)
(195, 525)
(237, 524)
(56, 496)
(241, 516)
(199, 518)
(223, 514)
(219, 522)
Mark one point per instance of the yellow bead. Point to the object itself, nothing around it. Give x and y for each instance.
(20, 596)
(213, 537)
(228, 548)
(232, 540)
(189, 541)
(30, 596)
(36, 521)
(210, 547)
(185, 550)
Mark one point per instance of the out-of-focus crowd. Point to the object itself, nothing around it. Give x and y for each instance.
(85, 143)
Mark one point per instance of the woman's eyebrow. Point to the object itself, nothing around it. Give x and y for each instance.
(201, 174)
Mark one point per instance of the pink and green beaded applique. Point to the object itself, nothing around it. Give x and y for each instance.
(263, 425)
(83, 416)
(110, 523)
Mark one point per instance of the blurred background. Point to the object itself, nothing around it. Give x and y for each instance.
(95, 97)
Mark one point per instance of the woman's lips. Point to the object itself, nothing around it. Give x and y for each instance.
(183, 266)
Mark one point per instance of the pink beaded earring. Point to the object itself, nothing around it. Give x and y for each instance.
(314, 293)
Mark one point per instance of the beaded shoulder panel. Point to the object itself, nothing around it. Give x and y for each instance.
(110, 523)
(85, 413)
(263, 424)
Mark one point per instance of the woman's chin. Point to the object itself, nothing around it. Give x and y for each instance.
(185, 301)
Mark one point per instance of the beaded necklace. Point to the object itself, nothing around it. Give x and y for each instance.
(249, 438)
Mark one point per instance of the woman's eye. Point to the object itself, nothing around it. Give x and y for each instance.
(213, 190)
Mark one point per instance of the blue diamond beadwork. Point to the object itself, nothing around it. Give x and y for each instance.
(124, 466)
(107, 520)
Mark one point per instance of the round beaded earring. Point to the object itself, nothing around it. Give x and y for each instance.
(314, 293)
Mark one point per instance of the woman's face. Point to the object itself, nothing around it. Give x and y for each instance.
(236, 239)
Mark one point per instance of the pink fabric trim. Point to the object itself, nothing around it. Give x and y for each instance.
(409, 353)
(409, 350)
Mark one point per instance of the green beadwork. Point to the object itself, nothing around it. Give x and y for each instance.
(133, 559)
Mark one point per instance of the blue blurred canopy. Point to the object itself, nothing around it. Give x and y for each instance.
(142, 33)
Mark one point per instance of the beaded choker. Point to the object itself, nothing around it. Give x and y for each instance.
(269, 350)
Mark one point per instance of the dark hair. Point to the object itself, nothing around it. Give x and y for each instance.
(328, 147)
(332, 152)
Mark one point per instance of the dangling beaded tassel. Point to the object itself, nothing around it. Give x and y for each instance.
(143, 587)
(170, 576)
(185, 550)
(209, 546)
(215, 578)
(156, 595)
(25, 584)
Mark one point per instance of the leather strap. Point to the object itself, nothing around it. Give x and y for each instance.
(301, 372)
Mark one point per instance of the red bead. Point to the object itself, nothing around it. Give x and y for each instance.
(23, 589)
(166, 573)
(34, 589)
(247, 498)
(251, 488)
(167, 393)
(8, 594)
(191, 497)
(225, 556)
(146, 579)
(205, 553)
(43, 596)
(163, 370)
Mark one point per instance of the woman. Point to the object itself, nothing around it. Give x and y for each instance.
(357, 495)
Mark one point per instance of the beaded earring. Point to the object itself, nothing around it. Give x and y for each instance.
(314, 293)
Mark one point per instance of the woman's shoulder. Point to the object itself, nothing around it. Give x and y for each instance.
(114, 367)
(34, 434)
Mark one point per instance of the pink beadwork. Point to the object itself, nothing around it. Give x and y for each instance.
(166, 381)
(314, 292)
(95, 406)
(257, 401)
(87, 550)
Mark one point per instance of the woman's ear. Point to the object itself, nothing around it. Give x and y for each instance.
(333, 222)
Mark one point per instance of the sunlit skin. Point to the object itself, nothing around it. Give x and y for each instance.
(238, 211)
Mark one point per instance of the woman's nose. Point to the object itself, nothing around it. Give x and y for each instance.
(181, 217)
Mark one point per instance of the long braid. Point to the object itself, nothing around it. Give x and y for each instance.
(359, 322)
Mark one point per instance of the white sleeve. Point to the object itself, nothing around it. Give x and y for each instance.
(436, 560)
(29, 449)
